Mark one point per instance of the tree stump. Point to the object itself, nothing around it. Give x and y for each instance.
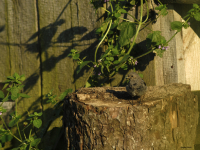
(106, 118)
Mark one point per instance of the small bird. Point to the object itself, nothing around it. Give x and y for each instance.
(136, 86)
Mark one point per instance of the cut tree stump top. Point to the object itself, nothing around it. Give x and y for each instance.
(106, 118)
(118, 96)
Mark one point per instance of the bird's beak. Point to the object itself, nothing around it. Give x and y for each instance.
(127, 77)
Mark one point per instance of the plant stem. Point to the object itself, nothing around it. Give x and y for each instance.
(144, 54)
(17, 122)
(126, 19)
(138, 29)
(133, 17)
(147, 11)
(95, 55)
(10, 131)
(133, 43)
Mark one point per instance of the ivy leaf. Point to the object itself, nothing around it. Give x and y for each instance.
(81, 66)
(176, 25)
(37, 123)
(197, 16)
(127, 31)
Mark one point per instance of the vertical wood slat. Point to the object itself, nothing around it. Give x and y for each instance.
(18, 23)
(17, 53)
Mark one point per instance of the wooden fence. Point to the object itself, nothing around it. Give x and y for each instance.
(36, 37)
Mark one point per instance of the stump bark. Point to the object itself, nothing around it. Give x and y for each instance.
(106, 118)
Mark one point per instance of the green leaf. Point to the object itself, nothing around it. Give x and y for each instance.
(14, 121)
(37, 123)
(10, 78)
(197, 16)
(13, 97)
(102, 67)
(14, 90)
(5, 99)
(36, 142)
(117, 15)
(98, 30)
(37, 114)
(104, 27)
(7, 81)
(115, 51)
(132, 2)
(65, 93)
(110, 58)
(121, 25)
(5, 85)
(81, 66)
(195, 6)
(123, 11)
(87, 84)
(24, 95)
(16, 76)
(176, 25)
(2, 110)
(76, 56)
(164, 12)
(155, 38)
(116, 62)
(1, 96)
(22, 78)
(127, 31)
(160, 7)
(123, 59)
(124, 66)
(20, 87)
(106, 62)
(5, 138)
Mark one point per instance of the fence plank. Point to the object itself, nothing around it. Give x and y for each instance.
(18, 23)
